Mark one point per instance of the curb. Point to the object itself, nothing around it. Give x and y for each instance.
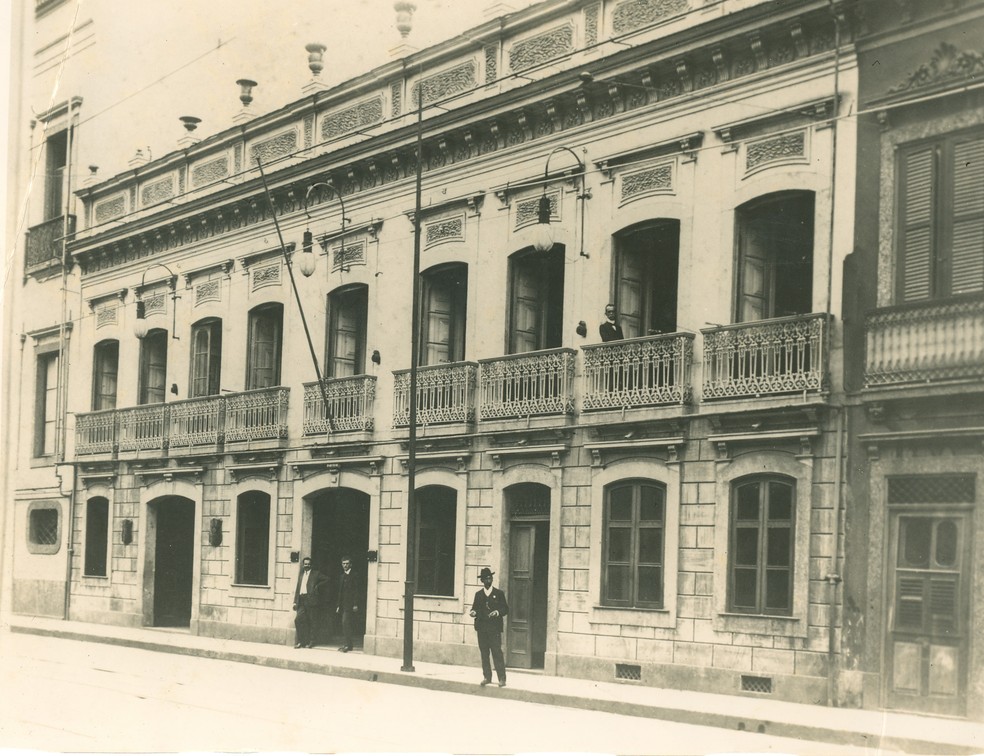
(795, 730)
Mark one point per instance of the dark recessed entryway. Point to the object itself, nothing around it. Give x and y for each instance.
(173, 560)
(529, 546)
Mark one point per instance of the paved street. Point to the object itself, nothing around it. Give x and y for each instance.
(61, 695)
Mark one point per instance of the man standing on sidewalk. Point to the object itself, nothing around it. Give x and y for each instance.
(309, 583)
(349, 591)
(488, 609)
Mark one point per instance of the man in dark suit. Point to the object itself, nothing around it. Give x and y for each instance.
(488, 609)
(309, 584)
(349, 596)
(610, 330)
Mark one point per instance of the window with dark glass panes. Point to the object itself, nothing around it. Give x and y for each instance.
(96, 536)
(264, 347)
(760, 559)
(105, 369)
(444, 306)
(153, 367)
(436, 523)
(206, 357)
(633, 560)
(927, 575)
(347, 319)
(536, 302)
(940, 244)
(45, 404)
(253, 538)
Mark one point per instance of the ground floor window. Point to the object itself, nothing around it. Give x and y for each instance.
(253, 538)
(96, 536)
(633, 561)
(436, 524)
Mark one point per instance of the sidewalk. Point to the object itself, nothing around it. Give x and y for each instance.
(873, 729)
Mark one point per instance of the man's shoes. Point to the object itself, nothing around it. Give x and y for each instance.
(502, 683)
(298, 645)
(310, 645)
(344, 649)
(484, 683)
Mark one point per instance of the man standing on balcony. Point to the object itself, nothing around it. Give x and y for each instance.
(488, 609)
(610, 330)
(309, 583)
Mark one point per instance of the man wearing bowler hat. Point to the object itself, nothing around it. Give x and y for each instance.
(488, 610)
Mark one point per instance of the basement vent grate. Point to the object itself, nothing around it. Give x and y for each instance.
(753, 684)
(628, 672)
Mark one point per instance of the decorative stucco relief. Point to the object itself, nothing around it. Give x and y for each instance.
(157, 191)
(777, 149)
(948, 64)
(591, 15)
(276, 147)
(541, 48)
(154, 303)
(445, 84)
(396, 97)
(208, 291)
(213, 170)
(444, 230)
(107, 315)
(268, 275)
(352, 118)
(633, 14)
(527, 209)
(657, 179)
(352, 253)
(491, 63)
(110, 208)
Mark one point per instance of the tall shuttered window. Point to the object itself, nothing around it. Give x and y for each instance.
(347, 318)
(105, 368)
(444, 306)
(96, 536)
(206, 357)
(436, 535)
(253, 538)
(941, 218)
(265, 345)
(634, 555)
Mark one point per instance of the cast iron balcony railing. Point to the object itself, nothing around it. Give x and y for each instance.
(926, 341)
(43, 245)
(350, 404)
(767, 357)
(209, 420)
(638, 372)
(445, 394)
(256, 415)
(523, 385)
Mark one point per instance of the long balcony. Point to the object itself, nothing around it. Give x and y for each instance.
(641, 372)
(925, 342)
(193, 423)
(350, 405)
(766, 358)
(527, 385)
(43, 245)
(445, 394)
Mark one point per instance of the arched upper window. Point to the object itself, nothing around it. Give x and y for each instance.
(264, 346)
(444, 309)
(536, 300)
(347, 321)
(775, 256)
(105, 369)
(152, 381)
(646, 270)
(206, 357)
(633, 552)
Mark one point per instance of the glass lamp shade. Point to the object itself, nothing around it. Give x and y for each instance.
(140, 325)
(306, 262)
(543, 237)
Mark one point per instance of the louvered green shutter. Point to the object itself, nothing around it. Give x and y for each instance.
(967, 260)
(918, 169)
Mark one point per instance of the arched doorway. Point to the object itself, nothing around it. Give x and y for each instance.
(339, 528)
(171, 559)
(528, 505)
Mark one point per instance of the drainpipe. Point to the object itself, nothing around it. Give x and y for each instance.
(70, 528)
(833, 180)
(834, 577)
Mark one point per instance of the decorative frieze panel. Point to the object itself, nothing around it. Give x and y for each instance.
(947, 65)
(352, 118)
(155, 303)
(634, 14)
(445, 84)
(308, 130)
(656, 179)
(541, 48)
(107, 315)
(208, 171)
(784, 148)
(276, 147)
(265, 275)
(345, 255)
(110, 208)
(157, 191)
(591, 15)
(208, 291)
(444, 230)
(491, 63)
(396, 97)
(527, 209)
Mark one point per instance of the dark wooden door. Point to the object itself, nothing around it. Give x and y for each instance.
(527, 622)
(174, 558)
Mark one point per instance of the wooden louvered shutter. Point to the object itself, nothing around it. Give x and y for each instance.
(916, 229)
(967, 235)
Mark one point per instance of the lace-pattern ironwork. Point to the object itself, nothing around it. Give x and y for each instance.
(445, 394)
(95, 432)
(925, 342)
(43, 243)
(638, 372)
(776, 356)
(142, 427)
(536, 383)
(195, 421)
(255, 415)
(350, 401)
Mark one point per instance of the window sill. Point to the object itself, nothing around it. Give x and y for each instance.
(436, 603)
(43, 460)
(760, 624)
(97, 578)
(623, 615)
(243, 590)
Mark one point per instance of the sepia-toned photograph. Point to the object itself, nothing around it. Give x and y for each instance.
(477, 377)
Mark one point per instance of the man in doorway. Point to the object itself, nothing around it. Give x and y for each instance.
(349, 596)
(488, 609)
(610, 330)
(309, 584)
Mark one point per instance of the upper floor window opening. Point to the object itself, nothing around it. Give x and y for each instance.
(105, 371)
(647, 260)
(206, 357)
(774, 236)
(153, 367)
(444, 310)
(536, 300)
(45, 404)
(265, 346)
(633, 557)
(940, 218)
(348, 309)
(55, 162)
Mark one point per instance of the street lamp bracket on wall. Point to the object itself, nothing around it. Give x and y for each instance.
(543, 237)
(140, 326)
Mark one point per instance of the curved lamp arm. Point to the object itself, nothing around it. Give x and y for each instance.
(307, 260)
(140, 326)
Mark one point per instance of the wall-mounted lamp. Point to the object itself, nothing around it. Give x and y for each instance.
(215, 532)
(308, 260)
(376, 358)
(140, 325)
(126, 532)
(543, 236)
(582, 328)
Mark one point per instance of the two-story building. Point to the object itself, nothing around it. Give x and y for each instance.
(666, 508)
